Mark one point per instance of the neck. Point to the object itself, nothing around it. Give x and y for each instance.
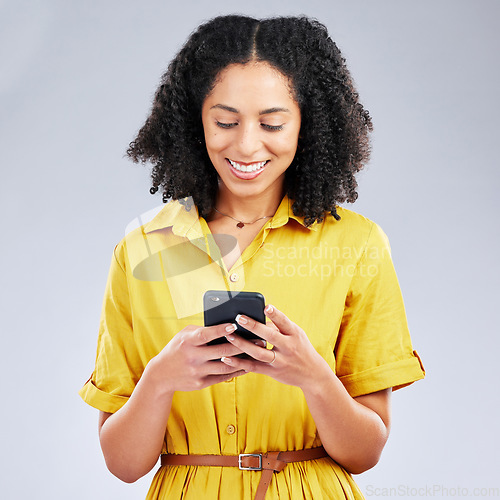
(248, 208)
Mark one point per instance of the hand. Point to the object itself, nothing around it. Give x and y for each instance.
(187, 363)
(293, 359)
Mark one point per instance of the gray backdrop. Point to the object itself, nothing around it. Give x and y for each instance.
(76, 83)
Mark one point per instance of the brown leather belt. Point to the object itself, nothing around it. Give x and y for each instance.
(273, 461)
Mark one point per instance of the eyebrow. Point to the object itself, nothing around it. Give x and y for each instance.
(274, 110)
(263, 112)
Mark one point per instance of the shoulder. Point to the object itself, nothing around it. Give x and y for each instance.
(351, 224)
(148, 235)
(352, 219)
(143, 234)
(353, 231)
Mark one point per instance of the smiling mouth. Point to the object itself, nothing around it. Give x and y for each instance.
(247, 167)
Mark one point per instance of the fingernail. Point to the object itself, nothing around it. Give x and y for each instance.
(269, 309)
(261, 343)
(230, 337)
(231, 328)
(227, 361)
(241, 319)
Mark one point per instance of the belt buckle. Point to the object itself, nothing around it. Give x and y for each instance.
(241, 455)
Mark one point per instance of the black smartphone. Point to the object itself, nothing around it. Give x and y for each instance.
(222, 306)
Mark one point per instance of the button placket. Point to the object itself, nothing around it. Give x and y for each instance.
(227, 420)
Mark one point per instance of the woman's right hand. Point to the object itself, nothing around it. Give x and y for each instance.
(132, 438)
(187, 363)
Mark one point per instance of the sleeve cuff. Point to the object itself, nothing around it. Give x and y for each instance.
(101, 400)
(396, 375)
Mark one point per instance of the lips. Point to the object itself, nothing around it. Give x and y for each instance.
(247, 171)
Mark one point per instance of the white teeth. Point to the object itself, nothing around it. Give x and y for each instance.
(247, 168)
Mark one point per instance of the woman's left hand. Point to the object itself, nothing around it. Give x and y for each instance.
(293, 360)
(353, 432)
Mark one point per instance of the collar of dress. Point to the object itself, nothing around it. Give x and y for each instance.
(185, 222)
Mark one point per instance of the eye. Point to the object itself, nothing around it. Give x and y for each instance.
(272, 128)
(225, 125)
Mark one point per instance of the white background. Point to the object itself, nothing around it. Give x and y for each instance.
(76, 83)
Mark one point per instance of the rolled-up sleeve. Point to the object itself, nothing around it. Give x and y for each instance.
(118, 365)
(374, 349)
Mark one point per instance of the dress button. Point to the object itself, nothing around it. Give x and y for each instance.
(230, 429)
(230, 380)
(234, 277)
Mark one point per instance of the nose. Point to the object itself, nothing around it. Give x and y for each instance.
(249, 141)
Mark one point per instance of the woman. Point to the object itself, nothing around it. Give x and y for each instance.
(255, 136)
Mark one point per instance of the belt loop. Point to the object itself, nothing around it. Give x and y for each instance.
(267, 474)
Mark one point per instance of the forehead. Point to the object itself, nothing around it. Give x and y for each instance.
(256, 83)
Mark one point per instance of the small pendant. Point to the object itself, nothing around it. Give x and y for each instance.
(240, 225)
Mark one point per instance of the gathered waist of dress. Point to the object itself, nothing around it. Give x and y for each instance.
(269, 463)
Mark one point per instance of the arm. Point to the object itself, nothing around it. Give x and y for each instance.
(132, 438)
(352, 430)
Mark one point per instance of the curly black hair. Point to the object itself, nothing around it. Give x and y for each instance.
(334, 137)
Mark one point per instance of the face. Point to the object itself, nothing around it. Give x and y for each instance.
(251, 123)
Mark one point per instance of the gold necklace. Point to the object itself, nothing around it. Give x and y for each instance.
(241, 223)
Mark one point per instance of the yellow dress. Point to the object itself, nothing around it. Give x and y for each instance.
(334, 279)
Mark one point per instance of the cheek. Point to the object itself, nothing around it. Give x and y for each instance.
(286, 145)
(215, 141)
(216, 147)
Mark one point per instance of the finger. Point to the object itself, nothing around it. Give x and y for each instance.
(281, 320)
(265, 332)
(216, 379)
(257, 352)
(218, 368)
(205, 334)
(270, 324)
(215, 368)
(225, 348)
(251, 364)
(259, 342)
(220, 350)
